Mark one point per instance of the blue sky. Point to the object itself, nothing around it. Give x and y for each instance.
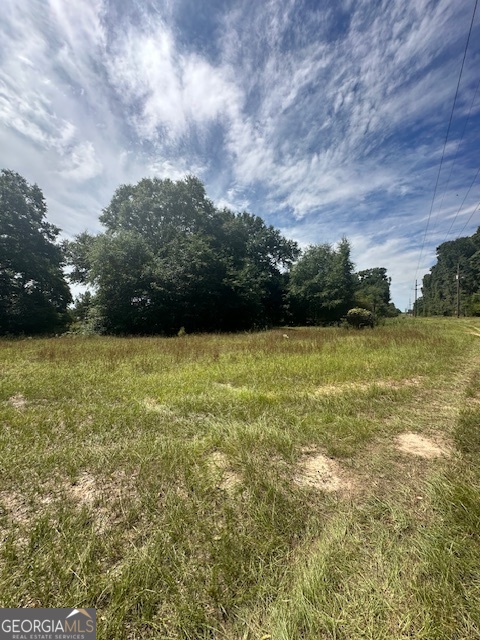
(326, 118)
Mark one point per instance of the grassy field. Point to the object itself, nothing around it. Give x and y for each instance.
(323, 485)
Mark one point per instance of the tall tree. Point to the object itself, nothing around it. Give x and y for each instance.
(169, 258)
(322, 284)
(373, 290)
(160, 210)
(439, 287)
(33, 292)
(257, 258)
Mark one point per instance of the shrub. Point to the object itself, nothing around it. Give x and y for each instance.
(360, 318)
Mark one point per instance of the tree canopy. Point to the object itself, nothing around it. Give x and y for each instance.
(322, 284)
(34, 294)
(169, 259)
(373, 292)
(439, 287)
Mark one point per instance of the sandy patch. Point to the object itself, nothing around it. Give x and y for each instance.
(417, 445)
(18, 401)
(103, 498)
(320, 472)
(225, 385)
(228, 386)
(229, 480)
(14, 506)
(20, 509)
(152, 405)
(334, 389)
(85, 490)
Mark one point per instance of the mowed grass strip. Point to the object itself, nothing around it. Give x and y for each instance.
(160, 481)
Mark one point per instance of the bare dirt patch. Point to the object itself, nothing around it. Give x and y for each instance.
(14, 506)
(152, 405)
(225, 385)
(21, 509)
(320, 472)
(18, 401)
(228, 386)
(333, 389)
(85, 490)
(417, 445)
(103, 498)
(229, 480)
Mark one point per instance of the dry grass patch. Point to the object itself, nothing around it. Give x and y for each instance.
(229, 479)
(229, 387)
(103, 498)
(85, 490)
(18, 401)
(23, 508)
(339, 388)
(15, 507)
(417, 445)
(317, 471)
(152, 405)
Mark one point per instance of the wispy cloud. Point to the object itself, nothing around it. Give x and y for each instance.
(326, 110)
(168, 92)
(328, 119)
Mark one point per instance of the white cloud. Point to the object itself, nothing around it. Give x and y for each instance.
(168, 91)
(323, 122)
(82, 163)
(395, 257)
(365, 91)
(174, 171)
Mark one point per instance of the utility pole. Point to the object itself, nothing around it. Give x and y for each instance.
(458, 289)
(415, 303)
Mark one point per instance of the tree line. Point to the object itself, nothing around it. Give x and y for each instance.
(453, 284)
(168, 259)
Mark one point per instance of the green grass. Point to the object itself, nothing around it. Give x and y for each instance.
(157, 480)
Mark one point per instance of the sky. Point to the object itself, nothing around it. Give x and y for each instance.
(327, 118)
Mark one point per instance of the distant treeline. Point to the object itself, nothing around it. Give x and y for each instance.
(169, 260)
(443, 294)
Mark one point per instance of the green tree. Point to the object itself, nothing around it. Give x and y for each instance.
(120, 275)
(78, 256)
(160, 210)
(373, 291)
(439, 287)
(170, 259)
(34, 294)
(322, 284)
(258, 258)
(80, 310)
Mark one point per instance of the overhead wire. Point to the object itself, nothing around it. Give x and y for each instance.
(469, 218)
(446, 140)
(456, 154)
(461, 206)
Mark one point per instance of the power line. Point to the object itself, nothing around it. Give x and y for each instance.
(469, 218)
(446, 139)
(458, 148)
(461, 206)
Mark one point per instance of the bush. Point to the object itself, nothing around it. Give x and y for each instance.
(360, 318)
